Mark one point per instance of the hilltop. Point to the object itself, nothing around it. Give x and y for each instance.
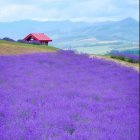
(12, 48)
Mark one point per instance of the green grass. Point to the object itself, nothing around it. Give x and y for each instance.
(123, 59)
(3, 42)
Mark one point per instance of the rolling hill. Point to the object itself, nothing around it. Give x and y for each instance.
(14, 48)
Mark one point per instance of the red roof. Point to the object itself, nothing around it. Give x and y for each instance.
(39, 37)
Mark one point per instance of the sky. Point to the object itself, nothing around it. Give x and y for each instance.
(75, 10)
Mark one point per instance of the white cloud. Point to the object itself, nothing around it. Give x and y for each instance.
(88, 10)
(10, 12)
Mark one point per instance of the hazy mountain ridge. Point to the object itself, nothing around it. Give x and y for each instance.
(19, 29)
(126, 29)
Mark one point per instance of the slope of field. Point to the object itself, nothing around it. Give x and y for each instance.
(64, 96)
(135, 66)
(10, 48)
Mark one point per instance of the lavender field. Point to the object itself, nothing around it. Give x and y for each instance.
(64, 96)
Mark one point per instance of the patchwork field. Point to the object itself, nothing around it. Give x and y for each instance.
(64, 96)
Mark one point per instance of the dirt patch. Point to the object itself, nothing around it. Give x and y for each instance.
(12, 50)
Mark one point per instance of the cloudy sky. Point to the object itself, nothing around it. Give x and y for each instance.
(76, 10)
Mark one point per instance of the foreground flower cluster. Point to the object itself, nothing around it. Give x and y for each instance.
(64, 96)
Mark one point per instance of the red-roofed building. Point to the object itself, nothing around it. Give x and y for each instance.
(38, 37)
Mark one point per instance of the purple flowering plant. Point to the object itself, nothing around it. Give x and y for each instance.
(64, 96)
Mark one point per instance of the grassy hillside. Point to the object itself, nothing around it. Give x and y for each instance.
(9, 48)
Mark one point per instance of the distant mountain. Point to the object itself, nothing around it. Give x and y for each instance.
(126, 30)
(19, 29)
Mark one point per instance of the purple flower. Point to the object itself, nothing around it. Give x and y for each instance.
(64, 96)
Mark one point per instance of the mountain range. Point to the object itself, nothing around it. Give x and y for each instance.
(68, 33)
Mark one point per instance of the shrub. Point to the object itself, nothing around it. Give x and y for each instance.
(8, 39)
(129, 60)
(125, 57)
(20, 41)
(117, 57)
